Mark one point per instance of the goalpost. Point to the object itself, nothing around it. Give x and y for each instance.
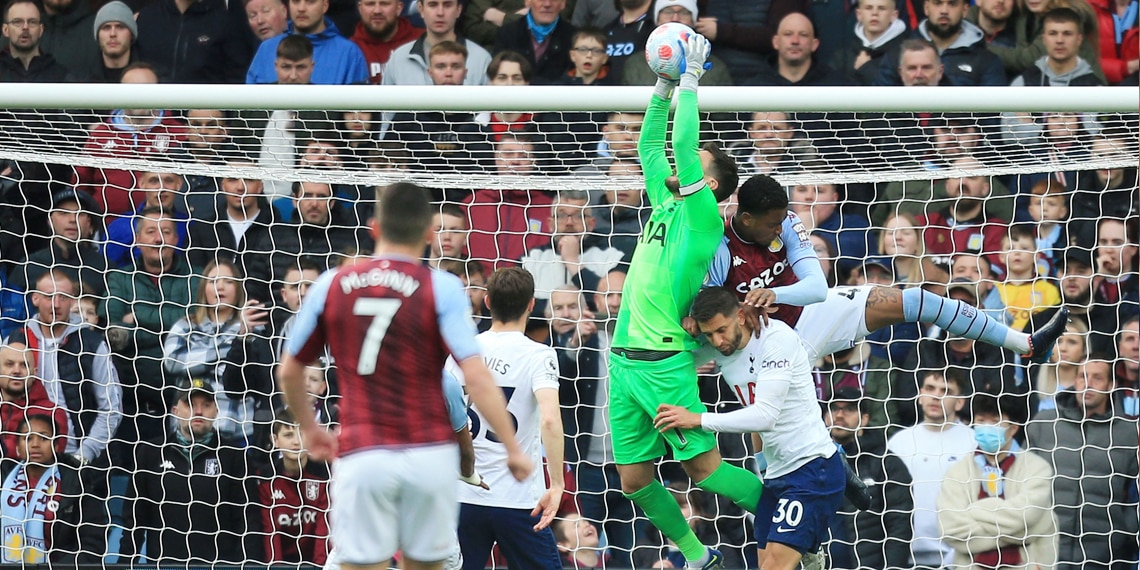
(889, 154)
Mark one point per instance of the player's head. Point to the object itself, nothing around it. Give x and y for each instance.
(286, 435)
(761, 209)
(721, 172)
(403, 214)
(719, 316)
(510, 294)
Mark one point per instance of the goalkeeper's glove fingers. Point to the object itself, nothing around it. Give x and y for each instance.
(695, 51)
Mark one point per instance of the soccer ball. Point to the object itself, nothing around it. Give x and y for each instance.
(663, 49)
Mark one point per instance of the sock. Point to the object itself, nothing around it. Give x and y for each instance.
(665, 514)
(740, 485)
(960, 319)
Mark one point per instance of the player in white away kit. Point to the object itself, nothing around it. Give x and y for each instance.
(516, 515)
(771, 376)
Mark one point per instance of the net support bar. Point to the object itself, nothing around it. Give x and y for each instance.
(559, 98)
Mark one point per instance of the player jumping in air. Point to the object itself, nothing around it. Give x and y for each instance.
(770, 372)
(652, 361)
(391, 322)
(767, 260)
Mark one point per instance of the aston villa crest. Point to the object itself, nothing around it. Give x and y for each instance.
(312, 490)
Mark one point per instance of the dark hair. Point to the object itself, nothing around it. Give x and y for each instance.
(513, 57)
(1022, 231)
(509, 292)
(761, 194)
(713, 301)
(403, 212)
(1062, 16)
(295, 47)
(590, 32)
(452, 209)
(447, 46)
(724, 170)
(283, 418)
(153, 211)
(1008, 405)
(957, 377)
(302, 264)
(26, 419)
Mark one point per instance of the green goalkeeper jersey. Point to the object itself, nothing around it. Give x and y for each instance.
(678, 242)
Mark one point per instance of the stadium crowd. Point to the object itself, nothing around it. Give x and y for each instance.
(143, 313)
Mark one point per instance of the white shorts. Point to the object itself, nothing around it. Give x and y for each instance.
(837, 323)
(385, 500)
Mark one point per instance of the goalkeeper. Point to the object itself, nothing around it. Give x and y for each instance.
(652, 360)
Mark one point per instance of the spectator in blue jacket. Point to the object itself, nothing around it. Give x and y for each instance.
(961, 46)
(337, 60)
(161, 190)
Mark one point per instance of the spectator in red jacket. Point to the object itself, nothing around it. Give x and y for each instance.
(505, 224)
(294, 499)
(21, 393)
(964, 225)
(128, 133)
(381, 29)
(1116, 20)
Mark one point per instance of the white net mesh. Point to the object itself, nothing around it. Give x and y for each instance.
(557, 192)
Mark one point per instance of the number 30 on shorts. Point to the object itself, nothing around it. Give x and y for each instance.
(787, 511)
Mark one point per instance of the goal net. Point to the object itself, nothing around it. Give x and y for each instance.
(162, 235)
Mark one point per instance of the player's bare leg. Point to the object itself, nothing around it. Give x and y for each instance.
(888, 306)
(702, 466)
(385, 565)
(416, 565)
(777, 556)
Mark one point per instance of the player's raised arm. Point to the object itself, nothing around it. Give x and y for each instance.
(651, 142)
(686, 121)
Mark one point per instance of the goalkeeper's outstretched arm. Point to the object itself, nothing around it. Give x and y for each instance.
(651, 143)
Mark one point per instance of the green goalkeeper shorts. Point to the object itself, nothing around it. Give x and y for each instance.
(636, 388)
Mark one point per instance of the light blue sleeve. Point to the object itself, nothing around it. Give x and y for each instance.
(311, 310)
(718, 269)
(812, 285)
(456, 406)
(453, 310)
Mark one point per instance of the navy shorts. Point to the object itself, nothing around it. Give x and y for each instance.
(480, 528)
(796, 510)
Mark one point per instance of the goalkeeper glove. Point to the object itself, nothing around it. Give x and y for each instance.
(664, 87)
(694, 64)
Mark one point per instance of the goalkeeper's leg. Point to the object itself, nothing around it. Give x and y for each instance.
(713, 474)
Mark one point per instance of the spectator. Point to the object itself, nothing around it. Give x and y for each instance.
(507, 68)
(22, 394)
(1061, 65)
(626, 31)
(1029, 46)
(1075, 282)
(901, 240)
(1092, 449)
(199, 344)
(961, 47)
(337, 61)
(1060, 374)
(1106, 192)
(794, 62)
(590, 62)
(620, 219)
(208, 142)
(294, 499)
(143, 303)
(543, 37)
(482, 19)
(1118, 37)
(574, 253)
(410, 63)
(1126, 372)
(505, 224)
(267, 18)
(161, 190)
(53, 510)
(222, 235)
(920, 65)
(380, 31)
(318, 230)
(473, 275)
(578, 541)
(450, 232)
(73, 219)
(743, 33)
(443, 140)
(128, 133)
(996, 507)
(929, 449)
(636, 70)
(74, 365)
(67, 35)
(23, 61)
(975, 269)
(115, 33)
(1116, 259)
(595, 13)
(826, 252)
(994, 17)
(362, 151)
(878, 537)
(1048, 208)
(1023, 291)
(878, 31)
(204, 41)
(619, 142)
(193, 503)
(774, 145)
(818, 208)
(962, 226)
